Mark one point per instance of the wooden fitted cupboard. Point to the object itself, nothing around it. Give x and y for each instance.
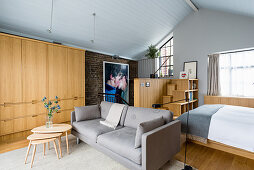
(29, 70)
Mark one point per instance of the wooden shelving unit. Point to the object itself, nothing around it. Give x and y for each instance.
(179, 89)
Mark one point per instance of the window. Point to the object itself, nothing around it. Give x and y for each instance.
(237, 74)
(165, 61)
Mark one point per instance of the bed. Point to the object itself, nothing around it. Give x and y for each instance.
(224, 123)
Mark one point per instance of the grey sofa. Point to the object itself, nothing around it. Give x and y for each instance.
(157, 146)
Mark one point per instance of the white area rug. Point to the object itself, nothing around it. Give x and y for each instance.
(81, 157)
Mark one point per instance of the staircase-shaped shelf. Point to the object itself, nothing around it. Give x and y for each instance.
(180, 89)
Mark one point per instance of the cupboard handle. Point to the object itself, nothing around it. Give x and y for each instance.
(34, 101)
(34, 115)
(75, 98)
(6, 120)
(58, 112)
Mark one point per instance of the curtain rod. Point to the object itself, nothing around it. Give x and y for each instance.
(237, 51)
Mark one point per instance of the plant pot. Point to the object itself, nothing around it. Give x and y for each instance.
(49, 122)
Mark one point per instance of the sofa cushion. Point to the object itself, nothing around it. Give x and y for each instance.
(105, 107)
(121, 142)
(137, 115)
(91, 128)
(87, 112)
(146, 127)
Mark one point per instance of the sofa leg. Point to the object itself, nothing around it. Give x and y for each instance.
(78, 141)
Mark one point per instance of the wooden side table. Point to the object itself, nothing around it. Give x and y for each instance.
(36, 139)
(57, 128)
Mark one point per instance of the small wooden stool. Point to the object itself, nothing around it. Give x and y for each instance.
(42, 139)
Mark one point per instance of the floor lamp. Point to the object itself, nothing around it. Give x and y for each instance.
(186, 167)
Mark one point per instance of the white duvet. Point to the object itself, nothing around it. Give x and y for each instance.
(234, 126)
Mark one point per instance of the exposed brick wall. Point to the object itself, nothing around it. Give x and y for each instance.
(94, 75)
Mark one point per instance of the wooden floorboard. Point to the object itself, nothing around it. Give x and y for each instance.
(205, 158)
(198, 156)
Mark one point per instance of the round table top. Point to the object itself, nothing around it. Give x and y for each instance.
(39, 136)
(56, 128)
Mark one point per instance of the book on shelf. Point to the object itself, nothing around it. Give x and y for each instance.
(190, 95)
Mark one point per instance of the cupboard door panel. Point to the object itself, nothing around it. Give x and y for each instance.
(10, 69)
(41, 120)
(59, 117)
(58, 70)
(66, 104)
(31, 122)
(19, 125)
(75, 73)
(67, 115)
(6, 127)
(34, 75)
(32, 109)
(11, 111)
(79, 102)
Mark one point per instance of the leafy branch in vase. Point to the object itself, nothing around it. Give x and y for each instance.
(51, 107)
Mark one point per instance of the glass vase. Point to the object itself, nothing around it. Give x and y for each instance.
(49, 121)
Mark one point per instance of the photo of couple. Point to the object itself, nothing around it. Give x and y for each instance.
(116, 76)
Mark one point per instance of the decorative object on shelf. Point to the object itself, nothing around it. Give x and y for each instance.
(194, 86)
(191, 95)
(51, 110)
(152, 52)
(191, 69)
(153, 75)
(183, 75)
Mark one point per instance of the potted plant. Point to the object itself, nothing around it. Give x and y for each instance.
(51, 110)
(152, 52)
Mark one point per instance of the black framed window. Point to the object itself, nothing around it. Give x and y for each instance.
(166, 59)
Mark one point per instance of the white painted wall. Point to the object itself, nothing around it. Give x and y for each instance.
(207, 32)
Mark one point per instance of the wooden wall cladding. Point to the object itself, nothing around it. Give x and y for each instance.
(29, 70)
(146, 96)
(236, 101)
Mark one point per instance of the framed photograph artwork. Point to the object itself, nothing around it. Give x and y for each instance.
(116, 79)
(191, 69)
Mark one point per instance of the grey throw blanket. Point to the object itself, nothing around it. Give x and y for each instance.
(199, 120)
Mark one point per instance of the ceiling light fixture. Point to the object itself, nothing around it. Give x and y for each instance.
(94, 14)
(51, 19)
(192, 5)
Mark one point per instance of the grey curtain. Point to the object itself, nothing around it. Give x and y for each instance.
(213, 84)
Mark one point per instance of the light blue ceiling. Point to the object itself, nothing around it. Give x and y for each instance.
(242, 7)
(123, 27)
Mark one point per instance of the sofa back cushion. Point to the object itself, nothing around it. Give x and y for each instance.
(105, 106)
(146, 127)
(137, 115)
(87, 112)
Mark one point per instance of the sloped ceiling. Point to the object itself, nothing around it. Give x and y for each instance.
(122, 27)
(242, 7)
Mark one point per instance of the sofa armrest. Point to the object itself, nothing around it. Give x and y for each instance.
(160, 145)
(73, 117)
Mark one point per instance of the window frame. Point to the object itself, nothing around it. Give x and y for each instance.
(168, 57)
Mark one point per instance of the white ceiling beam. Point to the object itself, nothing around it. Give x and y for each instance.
(192, 5)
